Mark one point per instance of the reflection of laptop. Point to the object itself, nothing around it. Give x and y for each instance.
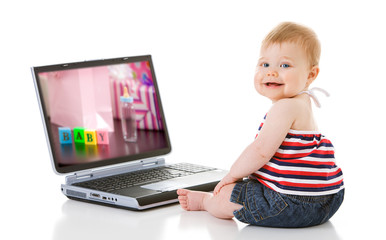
(81, 111)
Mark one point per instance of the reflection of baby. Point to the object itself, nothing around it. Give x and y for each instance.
(292, 177)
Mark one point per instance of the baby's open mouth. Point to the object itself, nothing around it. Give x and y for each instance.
(273, 84)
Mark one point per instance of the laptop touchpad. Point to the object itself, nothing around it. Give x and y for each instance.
(165, 186)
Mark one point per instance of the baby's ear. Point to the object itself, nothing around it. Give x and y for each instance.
(313, 74)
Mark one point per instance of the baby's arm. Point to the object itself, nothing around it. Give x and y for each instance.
(276, 126)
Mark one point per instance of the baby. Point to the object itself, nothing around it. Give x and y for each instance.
(287, 177)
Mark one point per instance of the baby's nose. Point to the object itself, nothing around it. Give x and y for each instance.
(272, 74)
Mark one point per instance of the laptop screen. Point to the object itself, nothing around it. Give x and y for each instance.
(102, 112)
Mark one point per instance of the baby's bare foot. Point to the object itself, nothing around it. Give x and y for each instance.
(192, 200)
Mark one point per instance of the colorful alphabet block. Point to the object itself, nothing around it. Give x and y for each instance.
(102, 136)
(65, 135)
(79, 135)
(90, 137)
(83, 136)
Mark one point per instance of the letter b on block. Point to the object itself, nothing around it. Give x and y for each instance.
(65, 135)
(90, 137)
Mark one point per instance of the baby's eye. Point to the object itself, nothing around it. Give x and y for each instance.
(265, 64)
(284, 65)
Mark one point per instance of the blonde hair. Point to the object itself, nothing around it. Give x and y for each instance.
(298, 34)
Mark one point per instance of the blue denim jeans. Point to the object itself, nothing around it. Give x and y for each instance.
(265, 207)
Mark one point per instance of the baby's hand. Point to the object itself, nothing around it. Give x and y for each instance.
(228, 179)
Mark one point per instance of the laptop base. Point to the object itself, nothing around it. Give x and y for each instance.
(137, 204)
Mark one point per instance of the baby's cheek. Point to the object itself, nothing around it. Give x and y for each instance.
(258, 80)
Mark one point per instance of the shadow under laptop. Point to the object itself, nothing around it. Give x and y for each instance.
(89, 221)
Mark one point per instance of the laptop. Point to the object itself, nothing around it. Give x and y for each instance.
(85, 127)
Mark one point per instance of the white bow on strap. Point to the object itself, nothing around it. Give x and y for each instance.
(311, 93)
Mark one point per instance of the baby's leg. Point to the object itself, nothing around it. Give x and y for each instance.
(219, 206)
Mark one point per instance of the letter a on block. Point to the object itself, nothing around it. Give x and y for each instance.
(79, 135)
(65, 135)
(102, 136)
(90, 137)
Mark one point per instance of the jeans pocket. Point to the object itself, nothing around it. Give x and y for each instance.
(264, 203)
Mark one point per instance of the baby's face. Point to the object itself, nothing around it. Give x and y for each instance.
(282, 71)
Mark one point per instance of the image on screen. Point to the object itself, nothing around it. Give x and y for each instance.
(85, 112)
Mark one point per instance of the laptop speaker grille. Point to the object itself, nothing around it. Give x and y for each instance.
(75, 193)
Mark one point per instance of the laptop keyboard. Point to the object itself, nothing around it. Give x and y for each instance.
(141, 177)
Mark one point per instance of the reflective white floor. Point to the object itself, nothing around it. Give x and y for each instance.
(78, 220)
(54, 217)
(96, 222)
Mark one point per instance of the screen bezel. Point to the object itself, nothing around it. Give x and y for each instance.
(108, 162)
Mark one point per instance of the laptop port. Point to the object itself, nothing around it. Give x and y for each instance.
(95, 195)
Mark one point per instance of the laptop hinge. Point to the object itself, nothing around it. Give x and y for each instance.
(151, 162)
(83, 175)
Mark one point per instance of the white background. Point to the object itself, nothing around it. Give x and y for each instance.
(204, 54)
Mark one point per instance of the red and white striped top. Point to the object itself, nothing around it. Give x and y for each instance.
(304, 164)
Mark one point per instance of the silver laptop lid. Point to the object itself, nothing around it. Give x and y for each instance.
(81, 105)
